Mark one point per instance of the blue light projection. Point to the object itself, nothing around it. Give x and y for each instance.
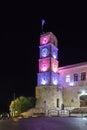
(48, 50)
(54, 52)
(46, 78)
(44, 51)
(43, 78)
(54, 78)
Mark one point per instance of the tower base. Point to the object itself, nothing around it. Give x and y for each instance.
(48, 97)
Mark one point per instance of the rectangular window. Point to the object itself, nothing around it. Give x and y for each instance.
(83, 76)
(57, 102)
(67, 78)
(75, 77)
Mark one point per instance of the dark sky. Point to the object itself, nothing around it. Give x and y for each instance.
(19, 41)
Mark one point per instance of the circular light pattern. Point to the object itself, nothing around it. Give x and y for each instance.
(45, 52)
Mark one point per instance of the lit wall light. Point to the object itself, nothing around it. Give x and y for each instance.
(71, 84)
(83, 92)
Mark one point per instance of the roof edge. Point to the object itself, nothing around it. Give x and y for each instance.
(73, 65)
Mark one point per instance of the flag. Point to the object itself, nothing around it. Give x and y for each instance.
(43, 22)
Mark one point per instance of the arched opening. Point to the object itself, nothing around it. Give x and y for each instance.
(83, 101)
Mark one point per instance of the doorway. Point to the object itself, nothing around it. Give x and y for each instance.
(57, 102)
(83, 101)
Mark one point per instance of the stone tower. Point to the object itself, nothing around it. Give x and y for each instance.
(48, 91)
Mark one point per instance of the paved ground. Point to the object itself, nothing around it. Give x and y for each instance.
(45, 123)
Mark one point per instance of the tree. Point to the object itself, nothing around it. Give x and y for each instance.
(21, 104)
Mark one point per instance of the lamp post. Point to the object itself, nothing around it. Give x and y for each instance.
(14, 105)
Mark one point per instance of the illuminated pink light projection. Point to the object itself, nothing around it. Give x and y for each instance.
(44, 68)
(44, 39)
(71, 83)
(44, 65)
(54, 66)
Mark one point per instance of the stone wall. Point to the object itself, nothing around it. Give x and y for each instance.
(47, 97)
(71, 95)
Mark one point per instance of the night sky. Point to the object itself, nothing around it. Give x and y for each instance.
(19, 51)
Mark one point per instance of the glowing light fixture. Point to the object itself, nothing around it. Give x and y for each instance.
(55, 69)
(71, 84)
(83, 92)
(54, 65)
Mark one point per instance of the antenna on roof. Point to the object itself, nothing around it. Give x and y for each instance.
(43, 22)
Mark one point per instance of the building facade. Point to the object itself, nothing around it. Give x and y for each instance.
(59, 85)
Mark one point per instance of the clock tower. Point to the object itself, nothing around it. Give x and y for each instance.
(48, 92)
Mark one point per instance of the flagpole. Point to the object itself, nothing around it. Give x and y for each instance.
(43, 22)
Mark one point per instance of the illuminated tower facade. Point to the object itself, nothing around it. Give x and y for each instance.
(48, 76)
(48, 64)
